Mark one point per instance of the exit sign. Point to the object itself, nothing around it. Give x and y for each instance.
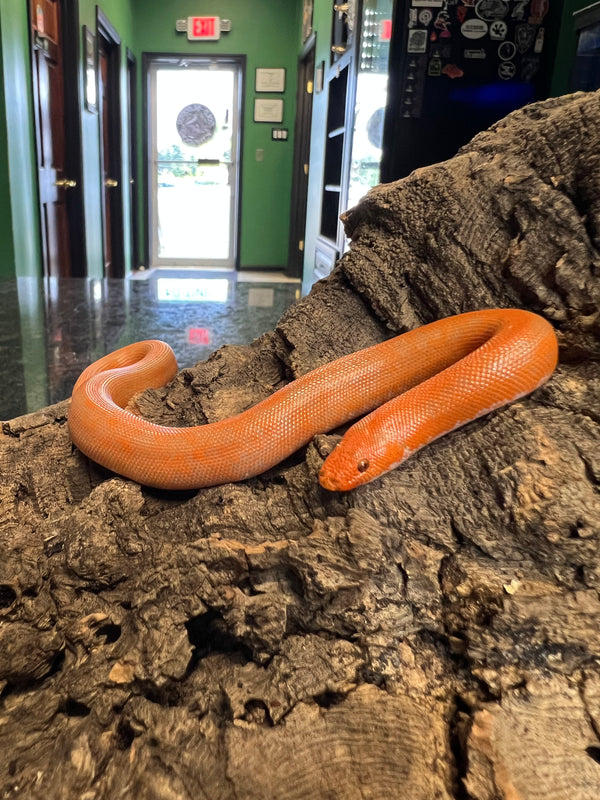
(206, 28)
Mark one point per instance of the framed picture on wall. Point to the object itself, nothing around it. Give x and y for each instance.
(89, 55)
(270, 80)
(268, 109)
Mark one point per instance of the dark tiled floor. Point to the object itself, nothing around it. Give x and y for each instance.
(50, 330)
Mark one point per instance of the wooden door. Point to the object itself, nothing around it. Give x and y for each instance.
(110, 147)
(133, 165)
(54, 179)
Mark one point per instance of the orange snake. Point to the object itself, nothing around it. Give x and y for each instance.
(422, 384)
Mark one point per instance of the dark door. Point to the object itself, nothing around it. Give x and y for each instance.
(133, 165)
(55, 116)
(109, 108)
(306, 71)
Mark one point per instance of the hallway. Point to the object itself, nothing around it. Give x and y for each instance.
(51, 330)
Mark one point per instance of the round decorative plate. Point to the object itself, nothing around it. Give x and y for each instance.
(196, 124)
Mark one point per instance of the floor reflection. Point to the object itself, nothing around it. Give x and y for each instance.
(50, 330)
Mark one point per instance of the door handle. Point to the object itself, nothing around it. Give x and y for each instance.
(111, 183)
(65, 184)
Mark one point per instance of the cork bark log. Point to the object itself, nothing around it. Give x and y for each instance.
(434, 635)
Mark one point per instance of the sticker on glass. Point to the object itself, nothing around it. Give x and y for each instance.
(524, 36)
(475, 53)
(507, 50)
(453, 71)
(195, 124)
(538, 10)
(498, 30)
(474, 28)
(518, 11)
(435, 66)
(507, 70)
(417, 41)
(442, 24)
(529, 68)
(490, 10)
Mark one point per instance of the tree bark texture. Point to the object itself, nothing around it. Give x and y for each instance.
(434, 635)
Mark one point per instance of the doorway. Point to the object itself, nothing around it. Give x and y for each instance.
(193, 150)
(109, 110)
(54, 59)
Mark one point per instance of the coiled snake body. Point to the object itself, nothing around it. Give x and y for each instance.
(422, 384)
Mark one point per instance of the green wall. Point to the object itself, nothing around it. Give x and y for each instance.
(18, 190)
(266, 31)
(6, 233)
(120, 16)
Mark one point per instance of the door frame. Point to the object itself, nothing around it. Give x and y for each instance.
(133, 157)
(74, 155)
(71, 55)
(301, 165)
(149, 59)
(106, 32)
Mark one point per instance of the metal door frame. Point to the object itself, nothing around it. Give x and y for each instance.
(151, 62)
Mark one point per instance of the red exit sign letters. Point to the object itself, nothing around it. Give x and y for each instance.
(206, 28)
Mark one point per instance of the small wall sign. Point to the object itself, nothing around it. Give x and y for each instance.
(268, 110)
(270, 80)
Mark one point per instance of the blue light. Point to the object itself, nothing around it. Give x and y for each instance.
(509, 94)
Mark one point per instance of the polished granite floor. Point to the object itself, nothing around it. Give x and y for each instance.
(51, 329)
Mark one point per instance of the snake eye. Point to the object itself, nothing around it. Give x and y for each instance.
(363, 465)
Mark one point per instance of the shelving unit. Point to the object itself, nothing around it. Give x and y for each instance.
(340, 87)
(336, 153)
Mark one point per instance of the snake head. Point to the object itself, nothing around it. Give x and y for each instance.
(358, 460)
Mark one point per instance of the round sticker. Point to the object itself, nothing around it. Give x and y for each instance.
(491, 10)
(507, 70)
(507, 50)
(425, 16)
(474, 28)
(195, 124)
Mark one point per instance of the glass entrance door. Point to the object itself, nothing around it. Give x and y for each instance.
(194, 161)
